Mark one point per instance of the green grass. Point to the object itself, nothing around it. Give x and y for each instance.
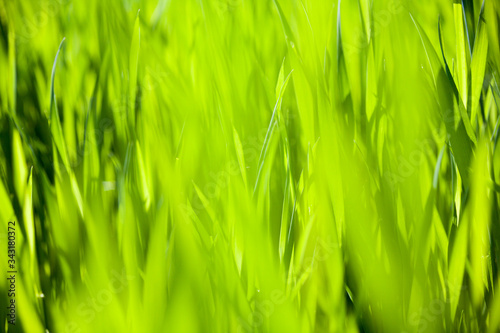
(251, 166)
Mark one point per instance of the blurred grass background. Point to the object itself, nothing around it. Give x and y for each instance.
(251, 166)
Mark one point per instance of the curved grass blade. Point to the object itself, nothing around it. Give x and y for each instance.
(478, 63)
(54, 120)
(133, 63)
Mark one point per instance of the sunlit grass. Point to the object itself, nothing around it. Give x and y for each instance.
(251, 166)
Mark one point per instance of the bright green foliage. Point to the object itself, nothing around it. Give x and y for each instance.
(251, 166)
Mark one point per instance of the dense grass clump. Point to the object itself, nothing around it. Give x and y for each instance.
(251, 166)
